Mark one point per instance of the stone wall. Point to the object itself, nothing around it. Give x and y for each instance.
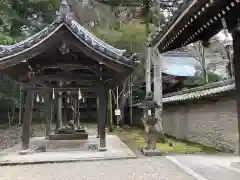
(209, 122)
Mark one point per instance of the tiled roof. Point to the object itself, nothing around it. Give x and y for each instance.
(79, 31)
(199, 92)
(7, 50)
(96, 43)
(179, 64)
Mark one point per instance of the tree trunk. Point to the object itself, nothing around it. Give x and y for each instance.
(122, 107)
(110, 116)
(204, 65)
(130, 101)
(122, 103)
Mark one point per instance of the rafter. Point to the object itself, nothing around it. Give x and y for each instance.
(63, 76)
(64, 66)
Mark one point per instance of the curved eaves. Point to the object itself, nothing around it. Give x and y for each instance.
(95, 39)
(28, 48)
(92, 42)
(14, 54)
(8, 50)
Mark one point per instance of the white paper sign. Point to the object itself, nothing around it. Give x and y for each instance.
(149, 113)
(117, 112)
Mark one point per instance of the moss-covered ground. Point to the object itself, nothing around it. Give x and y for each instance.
(134, 139)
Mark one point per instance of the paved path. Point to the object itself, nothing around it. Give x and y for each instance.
(209, 167)
(157, 168)
(65, 151)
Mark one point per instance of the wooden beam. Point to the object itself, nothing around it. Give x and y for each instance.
(59, 119)
(65, 89)
(48, 111)
(46, 84)
(69, 82)
(62, 76)
(26, 128)
(92, 68)
(102, 118)
(79, 78)
(98, 116)
(236, 63)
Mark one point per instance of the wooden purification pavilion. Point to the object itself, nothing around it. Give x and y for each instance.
(65, 57)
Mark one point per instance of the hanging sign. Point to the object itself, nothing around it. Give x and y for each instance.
(149, 112)
(117, 112)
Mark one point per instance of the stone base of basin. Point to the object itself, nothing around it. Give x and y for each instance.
(74, 136)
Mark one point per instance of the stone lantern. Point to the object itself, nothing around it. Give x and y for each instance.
(150, 121)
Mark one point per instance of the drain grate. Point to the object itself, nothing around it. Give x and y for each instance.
(92, 147)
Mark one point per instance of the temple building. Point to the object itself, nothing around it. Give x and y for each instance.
(65, 64)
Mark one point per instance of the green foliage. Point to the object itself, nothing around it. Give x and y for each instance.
(134, 138)
(9, 92)
(121, 2)
(199, 80)
(138, 94)
(5, 39)
(9, 87)
(213, 77)
(7, 103)
(130, 36)
(20, 18)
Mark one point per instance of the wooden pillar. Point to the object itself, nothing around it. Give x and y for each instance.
(236, 63)
(74, 110)
(21, 100)
(78, 113)
(48, 112)
(65, 113)
(27, 120)
(130, 100)
(59, 110)
(110, 116)
(98, 116)
(102, 118)
(51, 116)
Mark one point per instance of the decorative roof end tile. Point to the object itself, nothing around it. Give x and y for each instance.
(64, 13)
(64, 9)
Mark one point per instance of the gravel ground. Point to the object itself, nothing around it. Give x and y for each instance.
(157, 168)
(10, 136)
